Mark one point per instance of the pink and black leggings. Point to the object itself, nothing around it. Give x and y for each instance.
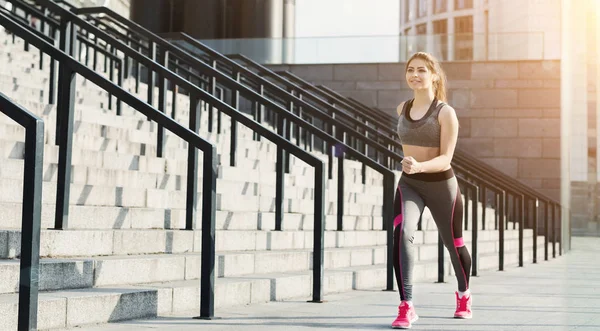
(440, 193)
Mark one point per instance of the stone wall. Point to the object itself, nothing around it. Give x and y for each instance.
(509, 112)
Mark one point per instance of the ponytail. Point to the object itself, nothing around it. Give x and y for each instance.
(439, 86)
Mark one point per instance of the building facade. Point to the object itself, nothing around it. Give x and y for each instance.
(464, 30)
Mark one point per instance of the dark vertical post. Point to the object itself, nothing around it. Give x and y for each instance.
(138, 69)
(151, 74)
(546, 229)
(466, 214)
(175, 92)
(126, 62)
(535, 227)
(501, 226)
(475, 231)
(162, 103)
(521, 212)
(388, 223)
(319, 233)
(330, 147)
(339, 151)
(31, 225)
(280, 176)
(65, 110)
(67, 41)
(95, 59)
(209, 194)
(235, 103)
(111, 74)
(483, 206)
(192, 168)
(296, 126)
(212, 89)
(553, 231)
(52, 82)
(120, 83)
(259, 110)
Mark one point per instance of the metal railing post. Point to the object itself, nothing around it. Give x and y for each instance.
(31, 225)
(521, 218)
(535, 227)
(339, 151)
(162, 104)
(546, 229)
(501, 220)
(65, 117)
(207, 277)
(279, 176)
(192, 167)
(235, 103)
(475, 231)
(319, 234)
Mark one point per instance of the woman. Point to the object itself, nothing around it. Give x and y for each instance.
(428, 130)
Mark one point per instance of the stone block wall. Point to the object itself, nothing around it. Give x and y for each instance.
(509, 112)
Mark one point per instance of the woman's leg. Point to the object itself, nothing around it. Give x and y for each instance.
(446, 207)
(408, 208)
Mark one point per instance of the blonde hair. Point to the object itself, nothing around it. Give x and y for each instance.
(439, 85)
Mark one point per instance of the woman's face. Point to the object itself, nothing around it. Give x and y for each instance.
(418, 75)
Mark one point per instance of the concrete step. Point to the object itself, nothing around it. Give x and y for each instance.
(82, 243)
(70, 308)
(57, 274)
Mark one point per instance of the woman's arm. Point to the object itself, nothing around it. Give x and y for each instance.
(448, 139)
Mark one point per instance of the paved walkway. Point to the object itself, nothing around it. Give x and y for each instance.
(562, 294)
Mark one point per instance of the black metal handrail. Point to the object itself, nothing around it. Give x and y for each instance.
(524, 198)
(92, 10)
(95, 10)
(201, 67)
(387, 125)
(53, 27)
(519, 197)
(207, 301)
(526, 195)
(494, 175)
(69, 67)
(31, 212)
(284, 113)
(519, 193)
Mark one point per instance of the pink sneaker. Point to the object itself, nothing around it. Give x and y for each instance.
(406, 316)
(463, 307)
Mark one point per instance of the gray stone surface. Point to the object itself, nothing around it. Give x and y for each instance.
(560, 294)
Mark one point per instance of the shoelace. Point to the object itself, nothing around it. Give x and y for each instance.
(403, 310)
(462, 304)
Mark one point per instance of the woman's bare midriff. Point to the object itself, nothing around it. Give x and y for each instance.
(420, 153)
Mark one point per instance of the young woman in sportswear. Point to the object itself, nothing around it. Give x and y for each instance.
(428, 130)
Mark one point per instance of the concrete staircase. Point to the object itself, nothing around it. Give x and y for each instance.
(124, 254)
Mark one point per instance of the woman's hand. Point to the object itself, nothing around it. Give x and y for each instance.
(410, 165)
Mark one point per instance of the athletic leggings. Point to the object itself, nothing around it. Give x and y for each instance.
(441, 194)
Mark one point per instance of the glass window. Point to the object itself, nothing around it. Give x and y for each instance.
(440, 27)
(463, 4)
(440, 6)
(463, 24)
(407, 14)
(440, 31)
(463, 47)
(421, 8)
(421, 28)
